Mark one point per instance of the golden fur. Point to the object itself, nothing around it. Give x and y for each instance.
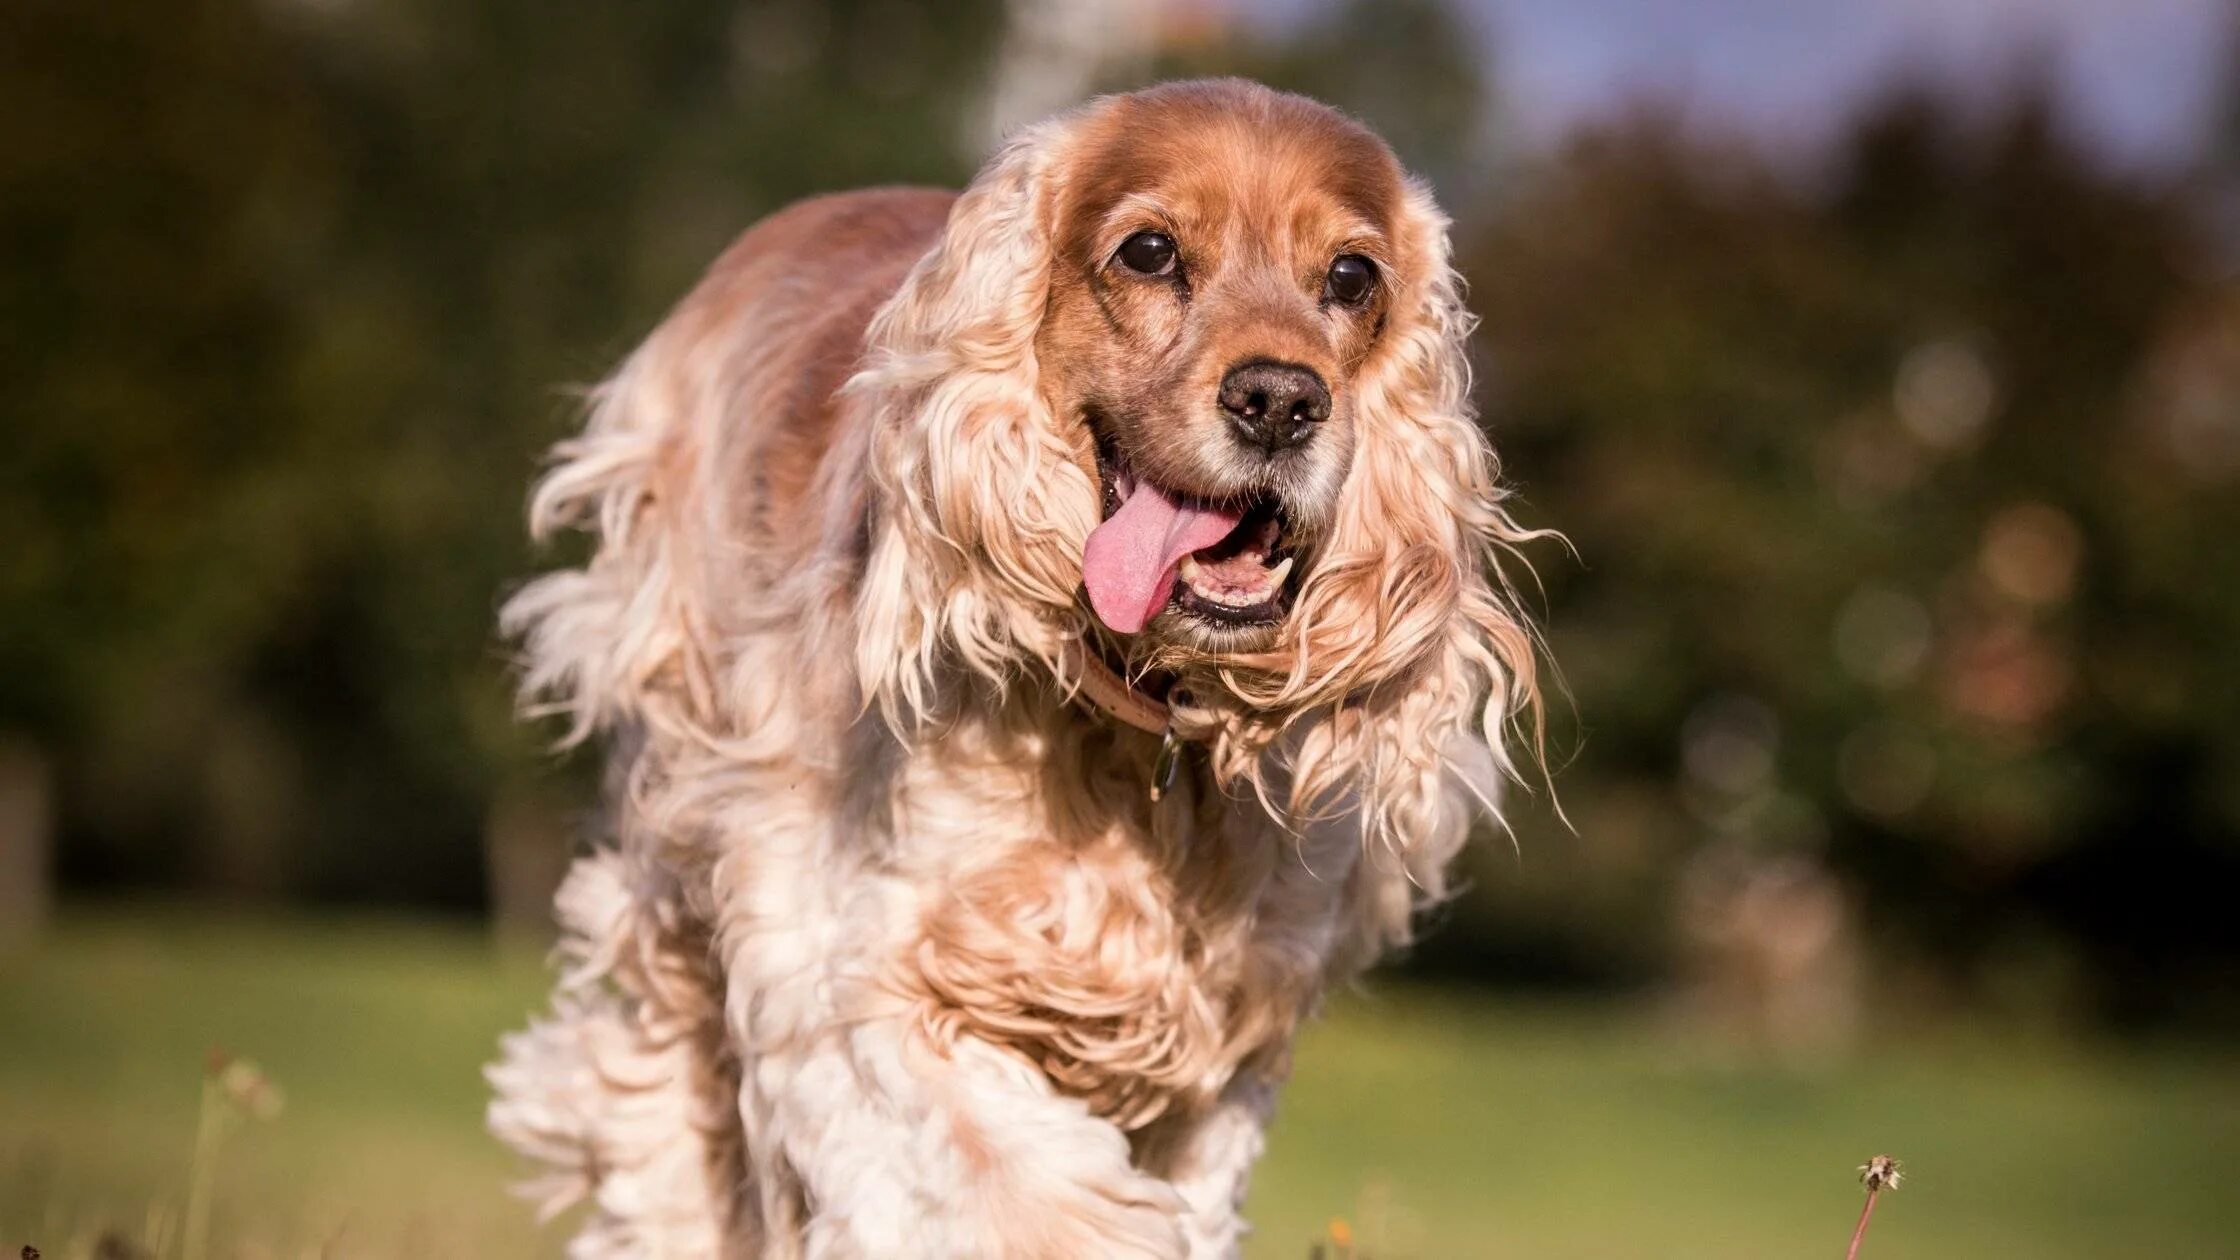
(892, 953)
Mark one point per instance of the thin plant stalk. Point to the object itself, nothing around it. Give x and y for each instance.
(194, 1232)
(1859, 1235)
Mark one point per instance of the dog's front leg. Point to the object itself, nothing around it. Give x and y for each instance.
(904, 1148)
(1214, 1167)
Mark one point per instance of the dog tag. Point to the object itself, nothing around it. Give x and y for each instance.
(1163, 769)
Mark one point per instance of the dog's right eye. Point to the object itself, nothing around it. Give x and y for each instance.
(1150, 253)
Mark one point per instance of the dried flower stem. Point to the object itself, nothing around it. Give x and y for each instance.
(1877, 1175)
(233, 1091)
(194, 1238)
(1859, 1235)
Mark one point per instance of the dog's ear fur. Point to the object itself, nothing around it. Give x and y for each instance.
(978, 505)
(621, 640)
(1408, 642)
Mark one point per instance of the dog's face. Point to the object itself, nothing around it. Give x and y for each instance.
(1197, 353)
(1223, 265)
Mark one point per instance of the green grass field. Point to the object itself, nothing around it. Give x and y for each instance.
(1438, 1127)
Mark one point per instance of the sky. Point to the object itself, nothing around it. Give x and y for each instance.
(2140, 76)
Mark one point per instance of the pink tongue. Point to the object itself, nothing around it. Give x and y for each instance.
(1129, 562)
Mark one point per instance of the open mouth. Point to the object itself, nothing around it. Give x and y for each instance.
(1240, 580)
(1227, 564)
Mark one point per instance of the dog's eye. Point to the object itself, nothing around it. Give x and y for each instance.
(1352, 279)
(1151, 253)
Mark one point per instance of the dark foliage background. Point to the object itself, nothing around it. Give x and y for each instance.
(1900, 494)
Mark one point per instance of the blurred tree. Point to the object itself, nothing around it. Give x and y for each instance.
(146, 492)
(1880, 561)
(290, 288)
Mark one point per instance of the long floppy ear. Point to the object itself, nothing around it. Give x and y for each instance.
(978, 507)
(1424, 661)
(621, 640)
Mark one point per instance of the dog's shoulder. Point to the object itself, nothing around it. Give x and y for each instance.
(779, 322)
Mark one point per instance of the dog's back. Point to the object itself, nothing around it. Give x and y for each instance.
(781, 316)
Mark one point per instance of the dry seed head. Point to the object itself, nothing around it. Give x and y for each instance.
(1880, 1173)
(250, 1090)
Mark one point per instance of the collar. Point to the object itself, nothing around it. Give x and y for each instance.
(1114, 696)
(1109, 693)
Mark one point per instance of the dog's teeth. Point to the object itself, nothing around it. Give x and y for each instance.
(1188, 569)
(1277, 574)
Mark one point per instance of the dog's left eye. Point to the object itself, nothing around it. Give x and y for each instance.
(1352, 279)
(1151, 253)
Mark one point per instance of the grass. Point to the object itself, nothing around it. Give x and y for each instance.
(1436, 1126)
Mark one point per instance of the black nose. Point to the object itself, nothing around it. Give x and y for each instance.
(1274, 406)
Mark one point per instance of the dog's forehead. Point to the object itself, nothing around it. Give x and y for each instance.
(1209, 155)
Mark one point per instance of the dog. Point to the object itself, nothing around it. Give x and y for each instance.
(1046, 636)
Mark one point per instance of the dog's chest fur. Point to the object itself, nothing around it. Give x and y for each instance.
(1139, 955)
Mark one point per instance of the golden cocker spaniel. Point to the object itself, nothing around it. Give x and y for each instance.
(1046, 635)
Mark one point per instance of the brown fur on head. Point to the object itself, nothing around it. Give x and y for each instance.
(1255, 197)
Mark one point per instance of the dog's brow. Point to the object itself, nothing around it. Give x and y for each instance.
(1358, 236)
(1131, 213)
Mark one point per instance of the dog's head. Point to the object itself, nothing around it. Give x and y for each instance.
(1185, 375)
(1224, 261)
